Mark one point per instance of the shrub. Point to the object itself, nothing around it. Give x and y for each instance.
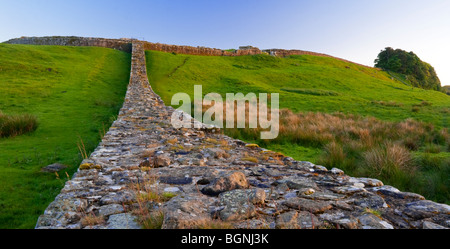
(334, 155)
(388, 161)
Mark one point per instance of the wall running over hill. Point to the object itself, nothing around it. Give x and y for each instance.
(217, 179)
(125, 45)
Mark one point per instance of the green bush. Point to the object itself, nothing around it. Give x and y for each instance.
(421, 74)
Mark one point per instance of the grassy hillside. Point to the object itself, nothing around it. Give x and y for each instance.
(75, 93)
(373, 103)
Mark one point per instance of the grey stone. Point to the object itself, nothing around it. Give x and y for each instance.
(307, 220)
(348, 190)
(121, 197)
(320, 168)
(230, 181)
(239, 204)
(122, 221)
(308, 205)
(175, 180)
(332, 216)
(371, 221)
(400, 195)
(162, 160)
(254, 224)
(431, 225)
(337, 171)
(323, 196)
(298, 182)
(52, 168)
(287, 220)
(368, 182)
(297, 220)
(371, 201)
(425, 209)
(384, 188)
(110, 209)
(172, 190)
(186, 212)
(346, 223)
(217, 153)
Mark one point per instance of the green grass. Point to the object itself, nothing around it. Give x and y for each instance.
(317, 92)
(326, 85)
(351, 88)
(75, 93)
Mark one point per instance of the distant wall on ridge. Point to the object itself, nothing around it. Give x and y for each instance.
(124, 44)
(119, 44)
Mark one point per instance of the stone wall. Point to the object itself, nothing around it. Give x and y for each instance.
(198, 50)
(119, 44)
(125, 45)
(218, 180)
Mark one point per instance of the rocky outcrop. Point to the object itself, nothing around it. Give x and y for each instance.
(213, 181)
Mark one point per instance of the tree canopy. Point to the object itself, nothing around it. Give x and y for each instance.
(419, 73)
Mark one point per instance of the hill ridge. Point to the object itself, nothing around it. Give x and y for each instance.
(125, 45)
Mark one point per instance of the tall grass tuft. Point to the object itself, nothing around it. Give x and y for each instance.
(334, 155)
(15, 125)
(388, 161)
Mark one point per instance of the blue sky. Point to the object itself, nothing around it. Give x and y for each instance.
(352, 29)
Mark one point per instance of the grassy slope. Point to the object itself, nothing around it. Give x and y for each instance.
(354, 89)
(357, 86)
(74, 92)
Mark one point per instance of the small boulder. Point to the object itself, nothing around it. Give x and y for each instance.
(123, 221)
(230, 181)
(54, 168)
(161, 160)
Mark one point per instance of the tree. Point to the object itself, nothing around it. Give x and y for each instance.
(419, 73)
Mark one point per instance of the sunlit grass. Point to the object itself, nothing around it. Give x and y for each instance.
(74, 93)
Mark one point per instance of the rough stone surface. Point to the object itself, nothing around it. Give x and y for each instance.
(213, 182)
(308, 205)
(240, 204)
(122, 221)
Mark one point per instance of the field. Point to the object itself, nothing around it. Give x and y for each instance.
(75, 94)
(348, 116)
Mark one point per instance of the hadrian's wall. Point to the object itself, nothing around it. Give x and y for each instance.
(217, 180)
(198, 50)
(125, 45)
(119, 44)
